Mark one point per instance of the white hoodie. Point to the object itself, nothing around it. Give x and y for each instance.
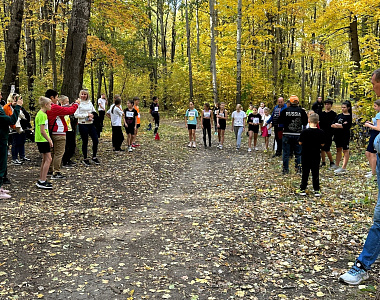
(84, 108)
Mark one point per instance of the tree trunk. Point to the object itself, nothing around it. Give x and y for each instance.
(238, 54)
(100, 77)
(197, 24)
(110, 86)
(153, 73)
(189, 52)
(46, 32)
(160, 8)
(76, 49)
(355, 51)
(174, 33)
(29, 59)
(92, 83)
(213, 51)
(13, 42)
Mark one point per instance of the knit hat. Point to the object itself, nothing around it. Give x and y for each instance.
(293, 99)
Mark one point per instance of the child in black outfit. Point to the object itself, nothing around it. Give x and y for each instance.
(311, 139)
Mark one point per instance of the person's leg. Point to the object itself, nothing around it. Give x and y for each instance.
(255, 139)
(113, 138)
(372, 161)
(95, 141)
(193, 135)
(329, 155)
(305, 174)
(239, 134)
(346, 158)
(222, 136)
(209, 134)
(338, 155)
(46, 161)
(3, 160)
(297, 152)
(371, 248)
(83, 130)
(204, 129)
(22, 145)
(190, 135)
(59, 150)
(121, 137)
(250, 135)
(69, 147)
(323, 155)
(285, 154)
(52, 154)
(219, 135)
(236, 130)
(156, 124)
(266, 142)
(315, 174)
(13, 149)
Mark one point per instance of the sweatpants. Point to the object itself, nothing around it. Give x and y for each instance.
(310, 164)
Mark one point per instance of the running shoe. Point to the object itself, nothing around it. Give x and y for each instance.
(95, 161)
(249, 150)
(4, 190)
(302, 192)
(67, 166)
(323, 164)
(317, 193)
(220, 147)
(4, 195)
(133, 145)
(340, 171)
(355, 275)
(256, 149)
(86, 162)
(130, 149)
(58, 175)
(25, 158)
(44, 185)
(333, 166)
(16, 162)
(194, 146)
(189, 145)
(368, 175)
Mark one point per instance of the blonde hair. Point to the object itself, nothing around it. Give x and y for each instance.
(42, 101)
(266, 109)
(85, 92)
(314, 118)
(12, 97)
(62, 98)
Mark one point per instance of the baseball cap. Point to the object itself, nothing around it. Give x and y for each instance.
(293, 98)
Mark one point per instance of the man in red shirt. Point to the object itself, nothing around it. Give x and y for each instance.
(58, 128)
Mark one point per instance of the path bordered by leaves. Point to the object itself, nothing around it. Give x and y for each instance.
(168, 222)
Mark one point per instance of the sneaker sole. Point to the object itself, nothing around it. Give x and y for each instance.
(354, 283)
(44, 187)
(57, 178)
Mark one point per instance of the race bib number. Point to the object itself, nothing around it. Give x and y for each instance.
(239, 121)
(206, 114)
(221, 114)
(191, 113)
(255, 120)
(156, 108)
(130, 114)
(138, 115)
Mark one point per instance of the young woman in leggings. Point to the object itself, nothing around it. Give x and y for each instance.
(85, 117)
(221, 118)
(206, 121)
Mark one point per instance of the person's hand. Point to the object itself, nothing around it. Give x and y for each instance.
(202, 126)
(51, 143)
(77, 101)
(218, 126)
(90, 115)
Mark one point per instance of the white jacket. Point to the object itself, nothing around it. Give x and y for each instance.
(84, 108)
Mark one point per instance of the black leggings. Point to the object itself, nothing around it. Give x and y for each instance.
(86, 130)
(156, 122)
(117, 137)
(207, 126)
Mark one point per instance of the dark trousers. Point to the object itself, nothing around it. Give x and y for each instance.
(207, 128)
(101, 121)
(69, 147)
(156, 122)
(86, 130)
(18, 145)
(290, 145)
(310, 164)
(277, 134)
(117, 137)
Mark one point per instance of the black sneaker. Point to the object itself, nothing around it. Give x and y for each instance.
(50, 173)
(16, 162)
(86, 162)
(6, 180)
(96, 161)
(44, 185)
(25, 159)
(317, 193)
(58, 175)
(72, 163)
(323, 164)
(67, 165)
(302, 192)
(284, 172)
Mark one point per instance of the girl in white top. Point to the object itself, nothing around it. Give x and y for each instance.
(268, 127)
(85, 117)
(261, 109)
(206, 121)
(238, 124)
(116, 114)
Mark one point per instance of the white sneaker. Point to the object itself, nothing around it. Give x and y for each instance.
(368, 175)
(130, 149)
(256, 148)
(194, 146)
(354, 276)
(369, 172)
(189, 145)
(4, 195)
(340, 171)
(249, 150)
(220, 147)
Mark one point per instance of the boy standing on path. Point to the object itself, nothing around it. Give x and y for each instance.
(371, 248)
(311, 140)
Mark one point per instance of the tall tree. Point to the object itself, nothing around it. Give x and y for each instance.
(213, 50)
(75, 53)
(189, 52)
(13, 47)
(238, 54)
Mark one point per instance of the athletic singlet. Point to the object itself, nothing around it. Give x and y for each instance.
(222, 121)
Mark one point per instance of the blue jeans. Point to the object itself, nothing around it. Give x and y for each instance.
(238, 132)
(371, 247)
(290, 145)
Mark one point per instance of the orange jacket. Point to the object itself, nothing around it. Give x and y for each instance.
(9, 111)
